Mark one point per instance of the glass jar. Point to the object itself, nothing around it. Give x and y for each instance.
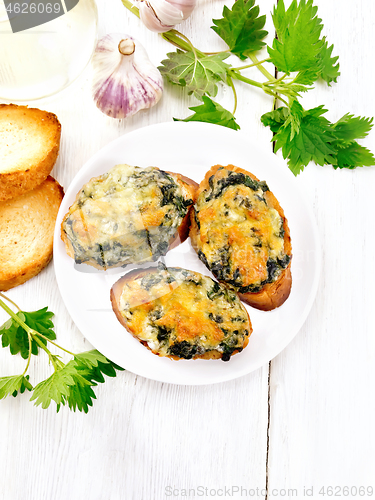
(42, 60)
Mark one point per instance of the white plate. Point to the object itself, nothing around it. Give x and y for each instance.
(190, 149)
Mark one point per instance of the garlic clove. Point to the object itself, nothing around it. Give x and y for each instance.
(186, 6)
(152, 18)
(163, 15)
(125, 81)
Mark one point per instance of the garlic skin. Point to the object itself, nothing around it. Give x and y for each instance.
(125, 81)
(163, 15)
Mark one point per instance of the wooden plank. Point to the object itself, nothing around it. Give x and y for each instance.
(322, 385)
(141, 436)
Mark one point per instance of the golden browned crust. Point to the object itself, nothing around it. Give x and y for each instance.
(31, 172)
(273, 294)
(184, 227)
(182, 231)
(115, 296)
(27, 225)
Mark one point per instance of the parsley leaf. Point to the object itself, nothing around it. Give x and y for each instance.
(25, 385)
(211, 112)
(13, 384)
(199, 74)
(72, 383)
(14, 336)
(329, 69)
(298, 43)
(56, 387)
(241, 28)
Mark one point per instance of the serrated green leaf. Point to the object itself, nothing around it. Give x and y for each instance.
(81, 394)
(354, 155)
(8, 385)
(72, 384)
(199, 74)
(14, 336)
(90, 359)
(307, 76)
(310, 141)
(329, 70)
(350, 128)
(305, 136)
(275, 119)
(56, 387)
(211, 112)
(25, 385)
(298, 43)
(241, 28)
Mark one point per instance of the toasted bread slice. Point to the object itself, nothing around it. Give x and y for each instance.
(181, 314)
(26, 233)
(128, 215)
(241, 234)
(29, 145)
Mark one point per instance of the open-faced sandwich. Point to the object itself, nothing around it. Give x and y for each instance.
(240, 233)
(181, 314)
(128, 215)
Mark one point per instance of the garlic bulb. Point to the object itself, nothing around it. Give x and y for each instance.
(125, 81)
(163, 15)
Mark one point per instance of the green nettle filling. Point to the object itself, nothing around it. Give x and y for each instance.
(217, 253)
(208, 299)
(108, 223)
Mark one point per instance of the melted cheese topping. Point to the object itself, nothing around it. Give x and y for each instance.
(126, 215)
(183, 313)
(241, 238)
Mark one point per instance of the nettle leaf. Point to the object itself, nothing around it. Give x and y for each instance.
(354, 155)
(199, 74)
(298, 43)
(211, 112)
(329, 71)
(305, 135)
(350, 127)
(241, 28)
(275, 119)
(310, 141)
(14, 336)
(308, 76)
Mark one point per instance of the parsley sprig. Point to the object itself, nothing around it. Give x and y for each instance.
(71, 383)
(301, 55)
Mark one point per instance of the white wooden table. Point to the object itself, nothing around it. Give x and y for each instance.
(303, 421)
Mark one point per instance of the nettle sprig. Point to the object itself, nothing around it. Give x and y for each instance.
(301, 56)
(70, 384)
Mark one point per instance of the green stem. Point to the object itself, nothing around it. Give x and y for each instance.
(133, 9)
(29, 355)
(15, 317)
(45, 348)
(231, 84)
(54, 343)
(238, 76)
(181, 41)
(9, 300)
(32, 334)
(261, 68)
(215, 53)
(239, 68)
